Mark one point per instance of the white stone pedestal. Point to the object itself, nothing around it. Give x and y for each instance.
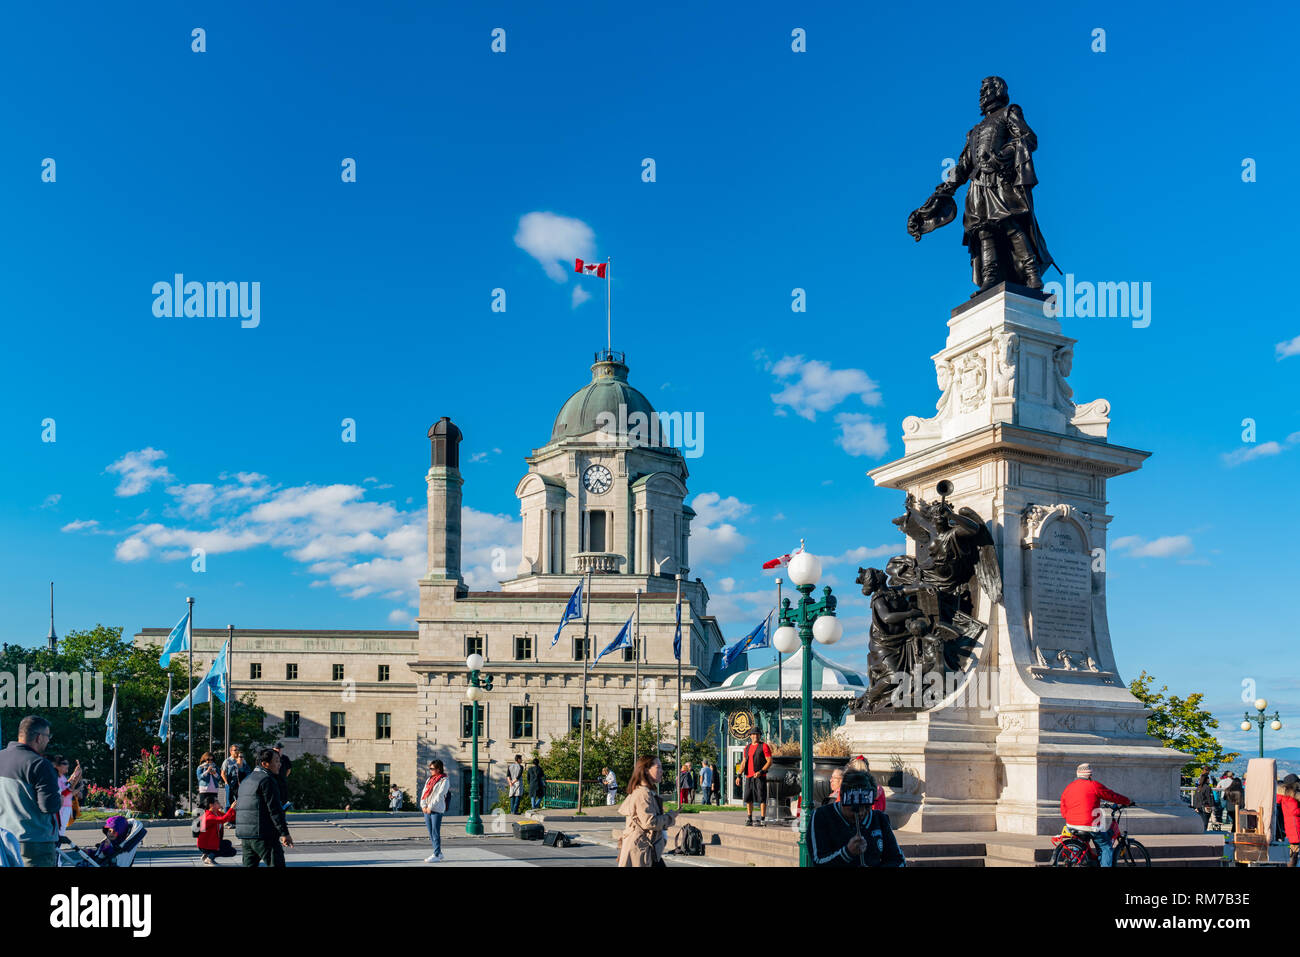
(1034, 465)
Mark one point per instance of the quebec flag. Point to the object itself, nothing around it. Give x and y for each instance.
(623, 640)
(572, 610)
(760, 637)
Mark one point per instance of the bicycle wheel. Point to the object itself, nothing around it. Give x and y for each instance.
(1133, 854)
(1070, 853)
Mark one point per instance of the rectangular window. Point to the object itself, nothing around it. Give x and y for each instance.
(521, 722)
(523, 647)
(290, 672)
(292, 724)
(574, 719)
(581, 649)
(338, 672)
(629, 654)
(467, 719)
(383, 726)
(383, 672)
(595, 531)
(383, 776)
(254, 670)
(475, 645)
(625, 717)
(338, 724)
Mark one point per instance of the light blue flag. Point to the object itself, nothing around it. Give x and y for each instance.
(623, 640)
(572, 610)
(110, 723)
(760, 637)
(165, 726)
(178, 640)
(213, 683)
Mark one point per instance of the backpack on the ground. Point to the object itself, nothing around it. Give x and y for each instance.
(689, 841)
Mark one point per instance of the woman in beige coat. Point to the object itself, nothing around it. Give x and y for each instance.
(642, 844)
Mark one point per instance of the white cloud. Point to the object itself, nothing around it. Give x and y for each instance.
(80, 525)
(1289, 348)
(1169, 546)
(1249, 453)
(859, 435)
(138, 471)
(51, 500)
(714, 540)
(131, 550)
(728, 584)
(817, 387)
(580, 296)
(710, 507)
(402, 618)
(555, 242)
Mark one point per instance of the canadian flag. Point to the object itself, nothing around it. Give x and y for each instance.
(782, 561)
(589, 269)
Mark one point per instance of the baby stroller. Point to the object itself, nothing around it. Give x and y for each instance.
(122, 839)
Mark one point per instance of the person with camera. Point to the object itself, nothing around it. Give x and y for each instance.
(849, 833)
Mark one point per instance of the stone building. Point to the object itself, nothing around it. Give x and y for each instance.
(598, 500)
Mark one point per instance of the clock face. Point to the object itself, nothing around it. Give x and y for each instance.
(597, 479)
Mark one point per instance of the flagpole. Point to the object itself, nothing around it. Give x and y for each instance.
(636, 684)
(609, 304)
(167, 707)
(117, 723)
(780, 701)
(230, 650)
(582, 706)
(189, 711)
(679, 688)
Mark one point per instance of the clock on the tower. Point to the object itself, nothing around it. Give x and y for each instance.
(597, 479)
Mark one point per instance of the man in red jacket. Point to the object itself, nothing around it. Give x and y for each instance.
(1081, 807)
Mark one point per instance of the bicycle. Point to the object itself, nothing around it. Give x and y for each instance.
(1076, 848)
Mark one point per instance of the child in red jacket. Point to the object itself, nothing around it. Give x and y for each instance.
(1288, 805)
(211, 843)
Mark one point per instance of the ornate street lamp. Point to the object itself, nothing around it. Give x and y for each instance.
(478, 683)
(800, 625)
(1261, 719)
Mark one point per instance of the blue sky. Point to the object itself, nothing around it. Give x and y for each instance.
(774, 170)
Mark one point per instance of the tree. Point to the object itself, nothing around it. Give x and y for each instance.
(316, 783)
(1181, 724)
(605, 747)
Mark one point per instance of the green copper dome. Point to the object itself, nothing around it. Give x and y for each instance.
(607, 391)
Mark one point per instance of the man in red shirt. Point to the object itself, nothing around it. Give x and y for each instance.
(1081, 807)
(758, 758)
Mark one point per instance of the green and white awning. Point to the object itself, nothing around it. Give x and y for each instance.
(829, 681)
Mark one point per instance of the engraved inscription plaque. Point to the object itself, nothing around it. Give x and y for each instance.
(1061, 589)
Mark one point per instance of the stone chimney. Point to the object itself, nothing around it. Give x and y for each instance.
(444, 502)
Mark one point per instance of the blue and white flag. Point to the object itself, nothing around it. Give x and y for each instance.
(677, 636)
(178, 640)
(572, 610)
(213, 683)
(624, 640)
(760, 637)
(165, 725)
(110, 723)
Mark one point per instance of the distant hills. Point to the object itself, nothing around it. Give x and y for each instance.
(1288, 761)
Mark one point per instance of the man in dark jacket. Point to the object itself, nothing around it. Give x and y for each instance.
(29, 793)
(536, 783)
(848, 833)
(259, 815)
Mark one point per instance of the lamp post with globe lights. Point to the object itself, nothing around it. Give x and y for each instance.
(478, 683)
(1261, 719)
(807, 620)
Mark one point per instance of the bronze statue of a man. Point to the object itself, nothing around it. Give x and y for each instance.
(999, 225)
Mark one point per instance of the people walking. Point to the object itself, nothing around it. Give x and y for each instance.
(1233, 794)
(29, 793)
(433, 802)
(1081, 807)
(685, 783)
(210, 841)
(282, 776)
(233, 770)
(536, 783)
(1288, 805)
(643, 840)
(707, 778)
(755, 761)
(259, 820)
(610, 780)
(515, 781)
(1203, 798)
